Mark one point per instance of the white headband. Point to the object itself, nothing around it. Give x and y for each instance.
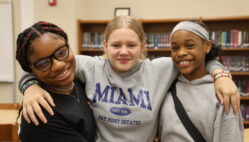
(191, 27)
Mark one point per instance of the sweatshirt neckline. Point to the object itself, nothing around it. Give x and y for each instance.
(204, 79)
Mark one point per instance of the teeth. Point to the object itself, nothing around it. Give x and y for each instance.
(184, 62)
(62, 74)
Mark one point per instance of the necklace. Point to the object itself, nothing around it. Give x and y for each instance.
(76, 96)
(59, 89)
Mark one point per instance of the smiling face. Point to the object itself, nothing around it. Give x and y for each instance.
(123, 49)
(188, 53)
(61, 73)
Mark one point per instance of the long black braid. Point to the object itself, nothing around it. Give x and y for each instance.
(26, 38)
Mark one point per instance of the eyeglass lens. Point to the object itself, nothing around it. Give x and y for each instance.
(45, 64)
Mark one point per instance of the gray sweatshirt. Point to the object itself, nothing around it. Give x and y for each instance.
(126, 106)
(204, 110)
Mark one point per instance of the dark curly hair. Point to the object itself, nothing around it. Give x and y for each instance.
(26, 38)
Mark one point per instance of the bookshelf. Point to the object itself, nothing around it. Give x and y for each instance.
(231, 47)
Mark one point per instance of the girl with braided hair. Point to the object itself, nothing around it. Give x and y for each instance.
(126, 89)
(194, 91)
(43, 50)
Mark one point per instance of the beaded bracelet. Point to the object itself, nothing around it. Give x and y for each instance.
(222, 74)
(28, 84)
(218, 72)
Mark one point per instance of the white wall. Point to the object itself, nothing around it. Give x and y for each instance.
(158, 9)
(66, 13)
(63, 15)
(7, 90)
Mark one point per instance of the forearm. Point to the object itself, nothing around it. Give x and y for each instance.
(214, 66)
(25, 78)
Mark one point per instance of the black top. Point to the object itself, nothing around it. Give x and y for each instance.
(72, 121)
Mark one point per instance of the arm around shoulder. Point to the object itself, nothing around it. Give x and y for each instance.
(26, 77)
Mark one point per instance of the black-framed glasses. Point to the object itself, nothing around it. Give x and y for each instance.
(46, 63)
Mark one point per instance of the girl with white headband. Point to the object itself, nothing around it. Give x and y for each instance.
(191, 112)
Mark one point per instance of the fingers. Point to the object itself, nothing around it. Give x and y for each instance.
(220, 97)
(39, 112)
(34, 108)
(46, 106)
(237, 101)
(25, 115)
(226, 103)
(49, 99)
(234, 104)
(238, 98)
(32, 116)
(35, 98)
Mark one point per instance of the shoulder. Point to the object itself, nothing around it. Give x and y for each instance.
(29, 129)
(54, 130)
(88, 64)
(88, 59)
(165, 60)
(80, 89)
(162, 63)
(79, 84)
(228, 127)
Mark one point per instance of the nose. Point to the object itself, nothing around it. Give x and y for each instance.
(182, 52)
(124, 50)
(57, 64)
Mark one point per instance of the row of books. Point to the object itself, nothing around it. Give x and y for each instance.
(243, 86)
(231, 39)
(227, 39)
(235, 63)
(157, 40)
(244, 111)
(93, 40)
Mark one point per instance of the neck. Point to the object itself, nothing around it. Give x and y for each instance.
(53, 89)
(193, 77)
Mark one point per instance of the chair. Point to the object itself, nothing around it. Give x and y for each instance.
(8, 130)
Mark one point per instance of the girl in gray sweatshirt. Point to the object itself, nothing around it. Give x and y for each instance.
(191, 49)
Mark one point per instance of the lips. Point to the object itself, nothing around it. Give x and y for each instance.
(123, 61)
(64, 75)
(184, 63)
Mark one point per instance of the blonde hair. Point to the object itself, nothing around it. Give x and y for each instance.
(127, 22)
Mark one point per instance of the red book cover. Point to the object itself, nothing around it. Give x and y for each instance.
(235, 38)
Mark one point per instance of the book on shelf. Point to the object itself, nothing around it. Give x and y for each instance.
(244, 109)
(93, 40)
(235, 63)
(157, 40)
(231, 39)
(243, 86)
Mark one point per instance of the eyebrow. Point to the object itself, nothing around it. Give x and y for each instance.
(59, 47)
(189, 40)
